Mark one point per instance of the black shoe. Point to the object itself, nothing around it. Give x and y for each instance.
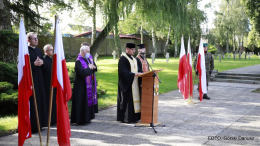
(205, 96)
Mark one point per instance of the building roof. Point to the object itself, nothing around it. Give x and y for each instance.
(121, 36)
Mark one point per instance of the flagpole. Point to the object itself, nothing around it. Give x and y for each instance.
(189, 100)
(36, 109)
(35, 102)
(35, 105)
(51, 87)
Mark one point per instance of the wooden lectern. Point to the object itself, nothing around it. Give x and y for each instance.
(149, 101)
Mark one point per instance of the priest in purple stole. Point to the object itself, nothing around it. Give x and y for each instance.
(84, 96)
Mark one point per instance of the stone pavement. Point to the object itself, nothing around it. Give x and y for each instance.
(232, 113)
(254, 69)
(230, 118)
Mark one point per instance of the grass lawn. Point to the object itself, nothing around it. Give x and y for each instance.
(8, 124)
(107, 79)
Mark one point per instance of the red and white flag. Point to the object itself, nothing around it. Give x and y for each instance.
(60, 80)
(189, 59)
(183, 71)
(201, 68)
(24, 88)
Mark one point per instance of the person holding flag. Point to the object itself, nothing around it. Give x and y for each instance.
(204, 65)
(182, 73)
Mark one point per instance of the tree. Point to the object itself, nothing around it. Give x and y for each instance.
(231, 22)
(31, 18)
(253, 12)
(165, 12)
(5, 22)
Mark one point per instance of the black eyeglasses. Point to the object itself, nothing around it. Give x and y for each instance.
(34, 39)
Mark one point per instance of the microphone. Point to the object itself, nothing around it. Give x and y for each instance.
(154, 74)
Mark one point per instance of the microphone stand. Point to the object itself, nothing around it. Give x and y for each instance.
(154, 75)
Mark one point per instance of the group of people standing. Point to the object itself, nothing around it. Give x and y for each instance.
(84, 97)
(41, 73)
(129, 84)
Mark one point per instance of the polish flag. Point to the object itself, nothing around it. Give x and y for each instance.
(202, 71)
(60, 80)
(190, 69)
(183, 71)
(24, 88)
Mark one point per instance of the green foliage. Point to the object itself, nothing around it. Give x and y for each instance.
(8, 42)
(171, 49)
(9, 73)
(8, 124)
(5, 87)
(68, 57)
(31, 17)
(212, 49)
(46, 29)
(253, 11)
(8, 103)
(231, 21)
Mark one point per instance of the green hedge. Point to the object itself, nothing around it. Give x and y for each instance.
(9, 73)
(8, 89)
(8, 104)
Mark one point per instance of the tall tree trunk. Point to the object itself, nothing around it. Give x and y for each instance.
(234, 43)
(117, 42)
(5, 22)
(167, 41)
(93, 23)
(175, 43)
(38, 19)
(26, 19)
(154, 42)
(227, 50)
(101, 37)
(242, 44)
(142, 34)
(239, 47)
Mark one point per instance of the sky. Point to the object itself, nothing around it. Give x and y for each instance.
(209, 11)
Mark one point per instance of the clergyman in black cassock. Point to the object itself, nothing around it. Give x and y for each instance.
(36, 68)
(46, 73)
(128, 97)
(81, 112)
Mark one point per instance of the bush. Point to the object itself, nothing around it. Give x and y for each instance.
(171, 50)
(9, 73)
(8, 104)
(5, 87)
(212, 49)
(68, 57)
(8, 45)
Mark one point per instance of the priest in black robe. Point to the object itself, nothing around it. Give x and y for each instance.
(37, 64)
(128, 97)
(84, 95)
(46, 73)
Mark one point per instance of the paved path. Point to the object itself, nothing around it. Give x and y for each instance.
(255, 69)
(233, 111)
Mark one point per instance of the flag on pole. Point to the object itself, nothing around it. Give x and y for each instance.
(60, 80)
(24, 88)
(202, 71)
(190, 80)
(182, 74)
